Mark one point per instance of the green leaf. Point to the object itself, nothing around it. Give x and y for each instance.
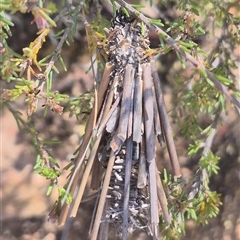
(201, 30)
(44, 59)
(137, 6)
(55, 69)
(114, 7)
(68, 166)
(224, 80)
(62, 195)
(157, 22)
(209, 82)
(59, 34)
(207, 130)
(47, 172)
(189, 44)
(49, 190)
(143, 29)
(125, 11)
(62, 63)
(38, 162)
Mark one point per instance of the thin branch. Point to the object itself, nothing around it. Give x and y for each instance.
(126, 103)
(165, 122)
(85, 177)
(142, 168)
(150, 147)
(201, 175)
(91, 158)
(67, 31)
(162, 199)
(137, 110)
(86, 140)
(209, 142)
(128, 166)
(103, 197)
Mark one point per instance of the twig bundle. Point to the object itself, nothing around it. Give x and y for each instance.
(128, 117)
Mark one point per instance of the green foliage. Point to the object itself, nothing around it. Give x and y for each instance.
(48, 173)
(207, 207)
(194, 202)
(62, 194)
(80, 106)
(209, 162)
